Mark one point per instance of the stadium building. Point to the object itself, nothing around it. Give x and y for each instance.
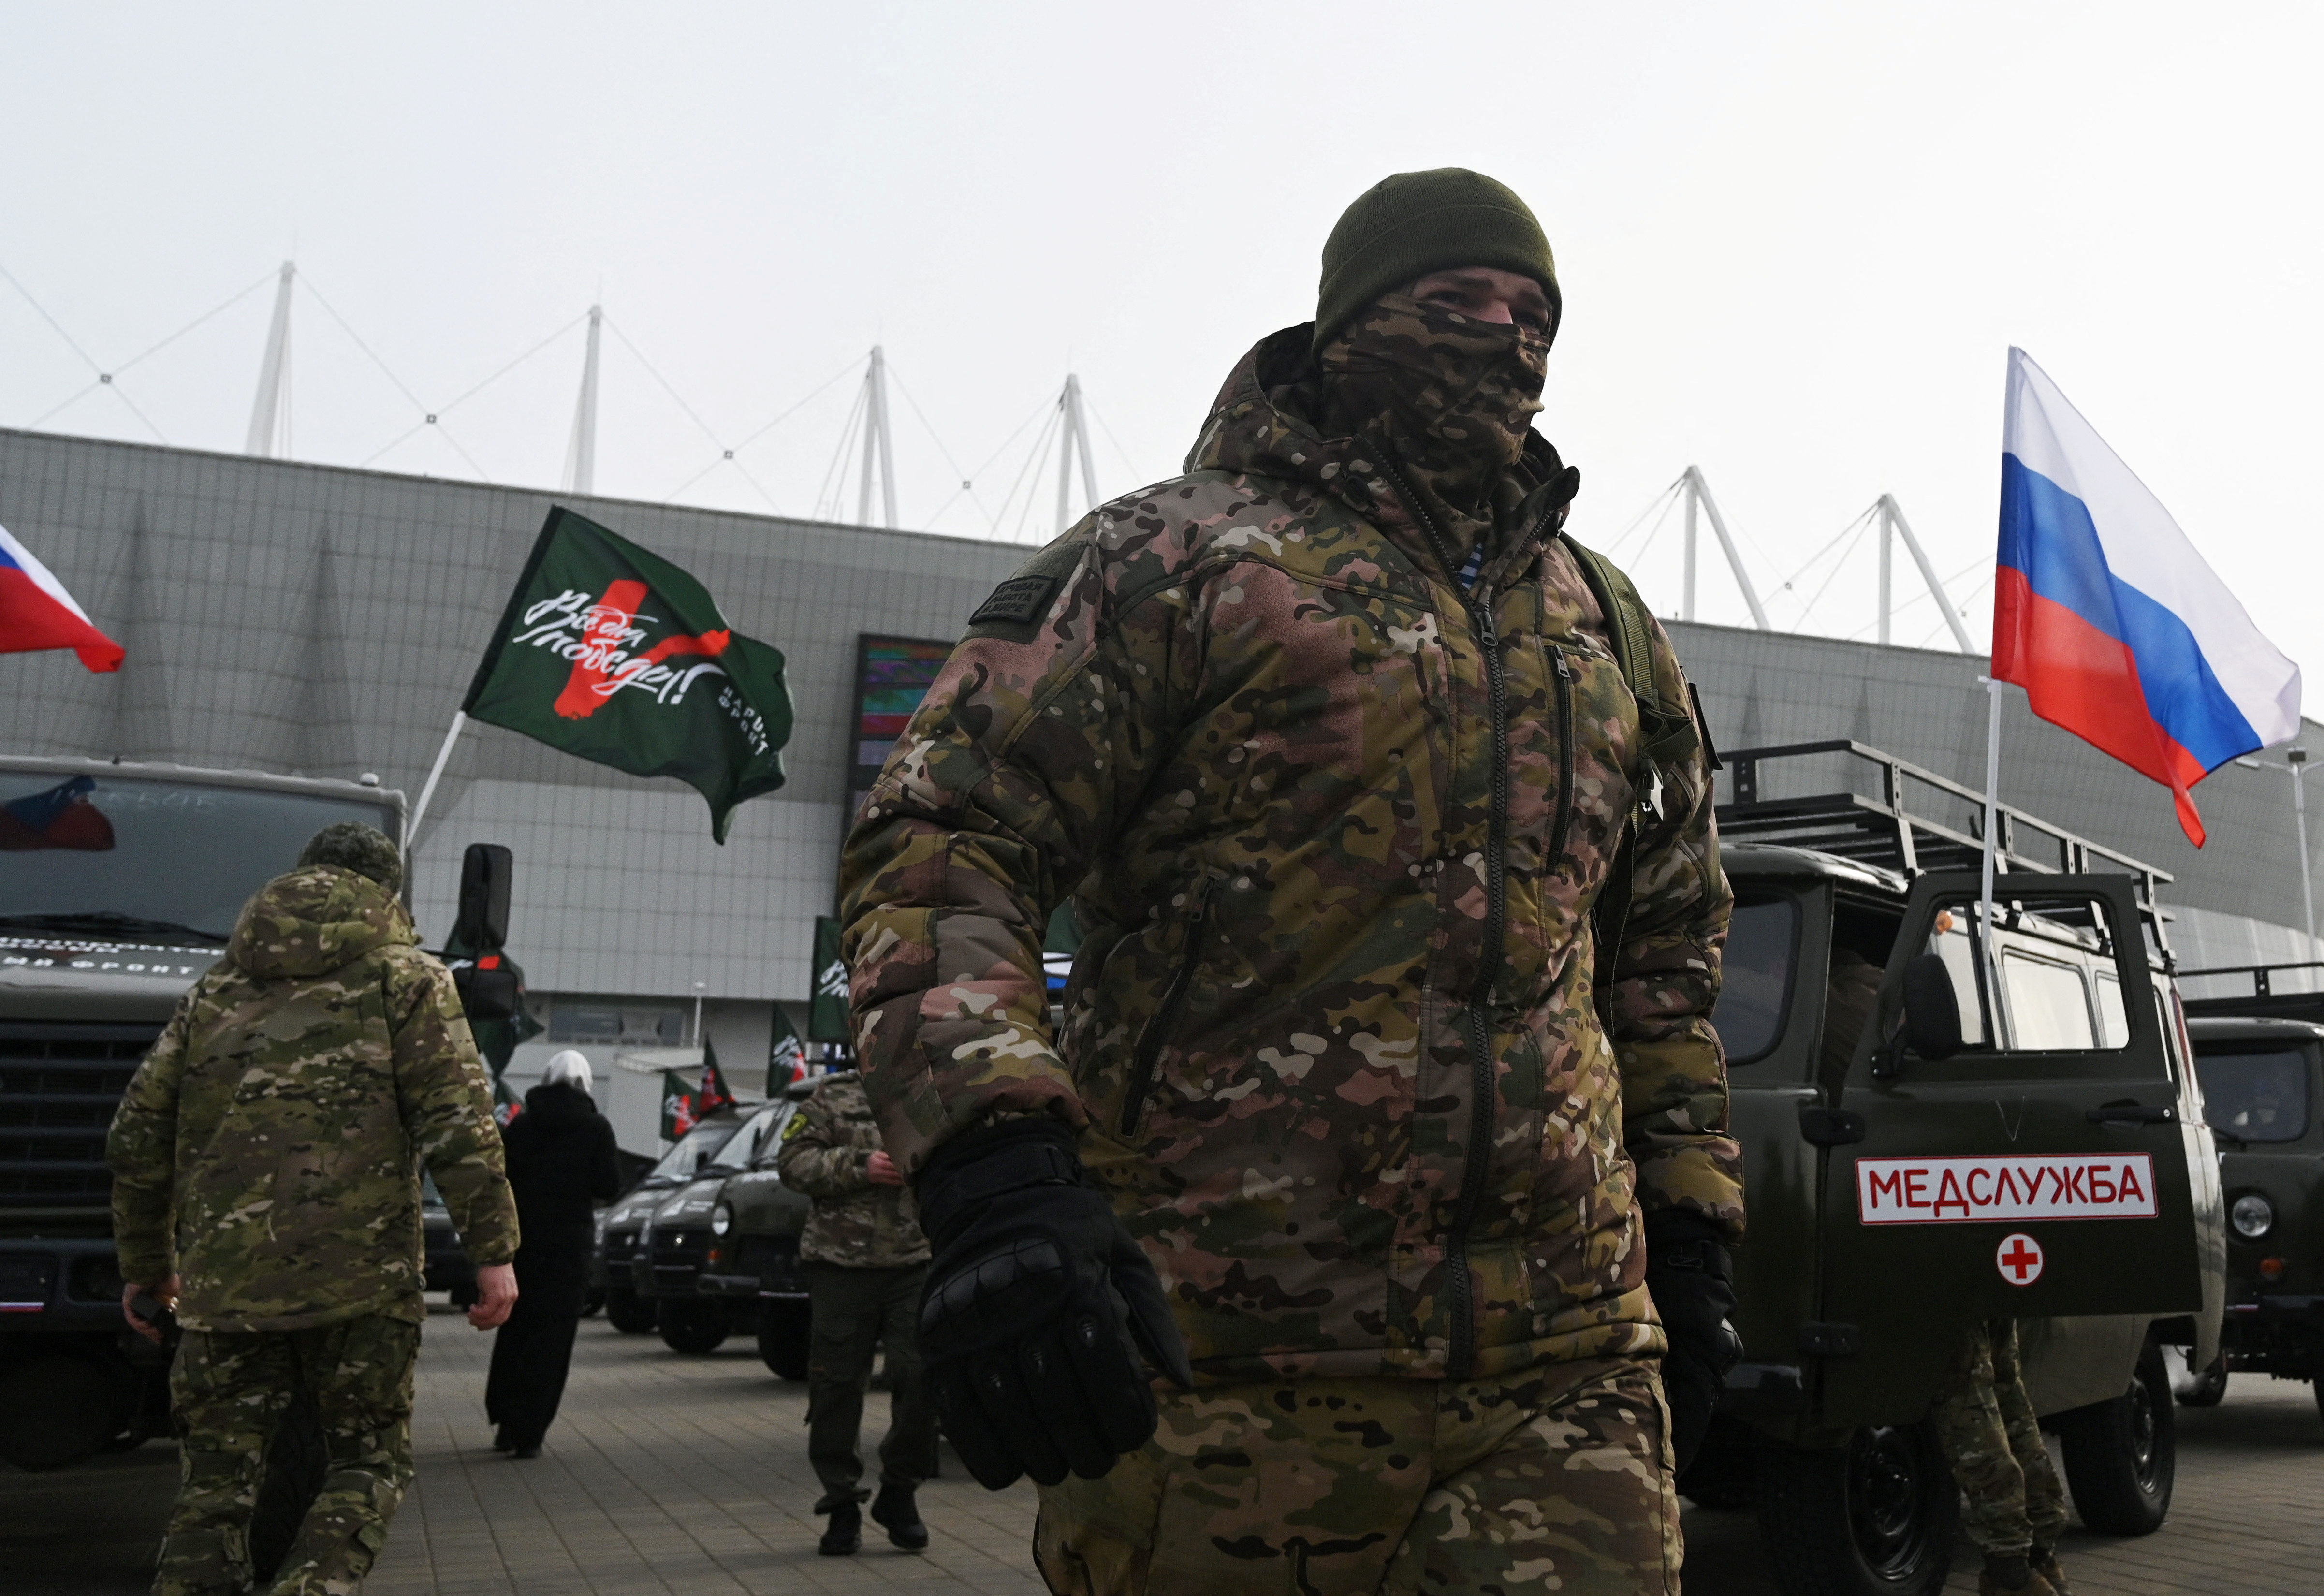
(301, 619)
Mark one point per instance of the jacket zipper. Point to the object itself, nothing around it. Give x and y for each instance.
(1482, 1087)
(1166, 1015)
(1565, 821)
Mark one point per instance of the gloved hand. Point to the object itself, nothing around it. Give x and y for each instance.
(1036, 1295)
(1692, 1281)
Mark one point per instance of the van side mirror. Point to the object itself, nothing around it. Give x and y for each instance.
(483, 924)
(1932, 1027)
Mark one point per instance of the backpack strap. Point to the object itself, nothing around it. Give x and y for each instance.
(1667, 728)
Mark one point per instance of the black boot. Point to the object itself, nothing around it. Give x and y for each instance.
(895, 1512)
(844, 1535)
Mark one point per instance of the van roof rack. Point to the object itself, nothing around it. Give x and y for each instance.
(1901, 829)
(2264, 1001)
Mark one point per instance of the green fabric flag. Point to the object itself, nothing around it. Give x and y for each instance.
(827, 1008)
(786, 1055)
(614, 654)
(679, 1109)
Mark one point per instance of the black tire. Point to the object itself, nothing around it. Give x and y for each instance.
(784, 1331)
(2205, 1386)
(1875, 1518)
(2122, 1455)
(627, 1312)
(296, 1465)
(691, 1325)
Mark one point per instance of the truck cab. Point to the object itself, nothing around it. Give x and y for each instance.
(1943, 1123)
(119, 885)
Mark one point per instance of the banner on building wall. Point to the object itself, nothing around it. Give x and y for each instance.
(612, 654)
(892, 674)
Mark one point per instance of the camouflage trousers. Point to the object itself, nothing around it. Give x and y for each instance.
(1985, 1421)
(1556, 1479)
(231, 1390)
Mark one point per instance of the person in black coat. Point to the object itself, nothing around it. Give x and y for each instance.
(561, 1164)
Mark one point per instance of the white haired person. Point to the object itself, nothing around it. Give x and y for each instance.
(561, 1164)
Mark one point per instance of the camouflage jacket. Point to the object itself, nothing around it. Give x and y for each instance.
(1245, 720)
(825, 1150)
(269, 1148)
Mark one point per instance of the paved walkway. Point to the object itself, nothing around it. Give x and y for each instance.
(679, 1475)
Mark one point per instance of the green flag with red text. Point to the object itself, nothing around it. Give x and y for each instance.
(612, 653)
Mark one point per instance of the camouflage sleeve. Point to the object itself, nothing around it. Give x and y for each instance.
(1665, 981)
(1039, 734)
(815, 1164)
(447, 1106)
(142, 1151)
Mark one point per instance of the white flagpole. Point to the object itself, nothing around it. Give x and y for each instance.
(436, 774)
(1992, 826)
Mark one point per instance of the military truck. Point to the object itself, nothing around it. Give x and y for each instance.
(674, 1244)
(2260, 1055)
(617, 1266)
(119, 884)
(735, 1246)
(2014, 1133)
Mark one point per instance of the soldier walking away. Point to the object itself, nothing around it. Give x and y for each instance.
(266, 1163)
(1985, 1421)
(1385, 1117)
(561, 1164)
(867, 1263)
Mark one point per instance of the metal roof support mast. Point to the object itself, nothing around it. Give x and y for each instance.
(581, 453)
(1073, 441)
(1698, 493)
(266, 413)
(876, 435)
(1892, 525)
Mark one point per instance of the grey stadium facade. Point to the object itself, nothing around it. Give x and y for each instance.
(301, 619)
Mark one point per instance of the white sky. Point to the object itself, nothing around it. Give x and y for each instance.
(1794, 242)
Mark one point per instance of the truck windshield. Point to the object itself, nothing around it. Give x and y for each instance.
(696, 1148)
(1755, 981)
(129, 856)
(2259, 1095)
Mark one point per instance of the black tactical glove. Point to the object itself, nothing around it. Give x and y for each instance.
(1034, 1297)
(1692, 1281)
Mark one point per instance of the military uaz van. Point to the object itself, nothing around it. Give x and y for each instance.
(1942, 1126)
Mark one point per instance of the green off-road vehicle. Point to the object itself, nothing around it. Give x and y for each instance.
(2261, 1058)
(618, 1266)
(1935, 1133)
(724, 1252)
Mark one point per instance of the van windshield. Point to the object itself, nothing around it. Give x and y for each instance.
(2255, 1094)
(696, 1148)
(1755, 981)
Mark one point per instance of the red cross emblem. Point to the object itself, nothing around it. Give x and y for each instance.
(2020, 1259)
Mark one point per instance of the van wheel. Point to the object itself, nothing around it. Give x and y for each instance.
(784, 1328)
(1873, 1517)
(2121, 1455)
(296, 1463)
(2205, 1387)
(627, 1312)
(691, 1325)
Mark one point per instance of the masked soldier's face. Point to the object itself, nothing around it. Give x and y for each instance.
(1487, 294)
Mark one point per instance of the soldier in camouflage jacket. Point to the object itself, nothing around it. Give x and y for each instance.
(867, 1262)
(1326, 745)
(267, 1155)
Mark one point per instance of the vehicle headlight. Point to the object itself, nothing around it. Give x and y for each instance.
(722, 1220)
(2252, 1216)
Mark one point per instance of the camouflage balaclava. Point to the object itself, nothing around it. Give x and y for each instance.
(350, 845)
(1449, 398)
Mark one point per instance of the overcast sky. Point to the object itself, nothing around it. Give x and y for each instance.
(1794, 242)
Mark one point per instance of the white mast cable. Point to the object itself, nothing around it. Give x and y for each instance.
(581, 453)
(1699, 492)
(1074, 442)
(265, 413)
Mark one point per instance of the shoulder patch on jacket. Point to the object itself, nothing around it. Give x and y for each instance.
(1015, 609)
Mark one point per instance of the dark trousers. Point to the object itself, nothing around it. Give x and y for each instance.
(854, 1309)
(533, 1352)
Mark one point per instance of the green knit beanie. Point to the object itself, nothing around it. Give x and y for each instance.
(1414, 223)
(350, 845)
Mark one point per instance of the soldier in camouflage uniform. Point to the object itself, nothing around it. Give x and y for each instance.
(866, 1264)
(1386, 1086)
(1985, 1421)
(266, 1163)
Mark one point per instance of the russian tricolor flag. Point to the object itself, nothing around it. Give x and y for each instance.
(37, 613)
(2107, 616)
